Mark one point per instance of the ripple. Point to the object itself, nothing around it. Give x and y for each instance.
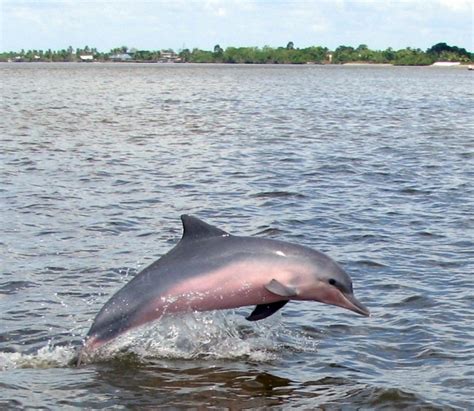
(415, 301)
(393, 398)
(430, 353)
(371, 263)
(278, 194)
(12, 287)
(271, 232)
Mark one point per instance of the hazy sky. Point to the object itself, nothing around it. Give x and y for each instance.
(178, 24)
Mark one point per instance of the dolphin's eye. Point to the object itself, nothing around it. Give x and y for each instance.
(332, 281)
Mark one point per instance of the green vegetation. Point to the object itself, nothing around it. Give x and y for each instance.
(403, 57)
(254, 55)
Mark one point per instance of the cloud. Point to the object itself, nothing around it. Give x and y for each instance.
(155, 24)
(457, 5)
(216, 8)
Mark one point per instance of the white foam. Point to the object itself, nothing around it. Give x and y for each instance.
(45, 357)
(199, 335)
(211, 335)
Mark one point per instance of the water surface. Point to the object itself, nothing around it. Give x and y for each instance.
(373, 166)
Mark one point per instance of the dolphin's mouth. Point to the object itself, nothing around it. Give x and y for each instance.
(355, 305)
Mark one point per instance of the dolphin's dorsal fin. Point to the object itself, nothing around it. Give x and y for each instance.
(194, 228)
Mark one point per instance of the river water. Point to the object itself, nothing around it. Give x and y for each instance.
(372, 165)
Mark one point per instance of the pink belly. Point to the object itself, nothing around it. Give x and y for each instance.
(236, 285)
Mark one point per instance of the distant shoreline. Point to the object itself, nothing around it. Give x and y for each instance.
(462, 65)
(313, 55)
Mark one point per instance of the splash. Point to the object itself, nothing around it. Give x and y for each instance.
(215, 335)
(46, 357)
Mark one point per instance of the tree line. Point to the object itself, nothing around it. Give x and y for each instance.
(255, 55)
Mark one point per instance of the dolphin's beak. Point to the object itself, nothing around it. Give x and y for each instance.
(353, 304)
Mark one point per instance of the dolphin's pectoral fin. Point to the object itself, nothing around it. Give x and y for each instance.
(262, 311)
(280, 289)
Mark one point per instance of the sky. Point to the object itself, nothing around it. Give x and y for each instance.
(178, 24)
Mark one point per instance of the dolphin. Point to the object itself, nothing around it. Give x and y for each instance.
(209, 269)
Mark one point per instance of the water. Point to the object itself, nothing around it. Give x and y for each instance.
(372, 165)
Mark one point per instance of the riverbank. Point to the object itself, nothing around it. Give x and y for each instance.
(150, 63)
(440, 52)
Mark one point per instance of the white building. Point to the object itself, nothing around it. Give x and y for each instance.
(86, 57)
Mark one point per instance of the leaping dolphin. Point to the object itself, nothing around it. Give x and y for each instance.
(209, 269)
